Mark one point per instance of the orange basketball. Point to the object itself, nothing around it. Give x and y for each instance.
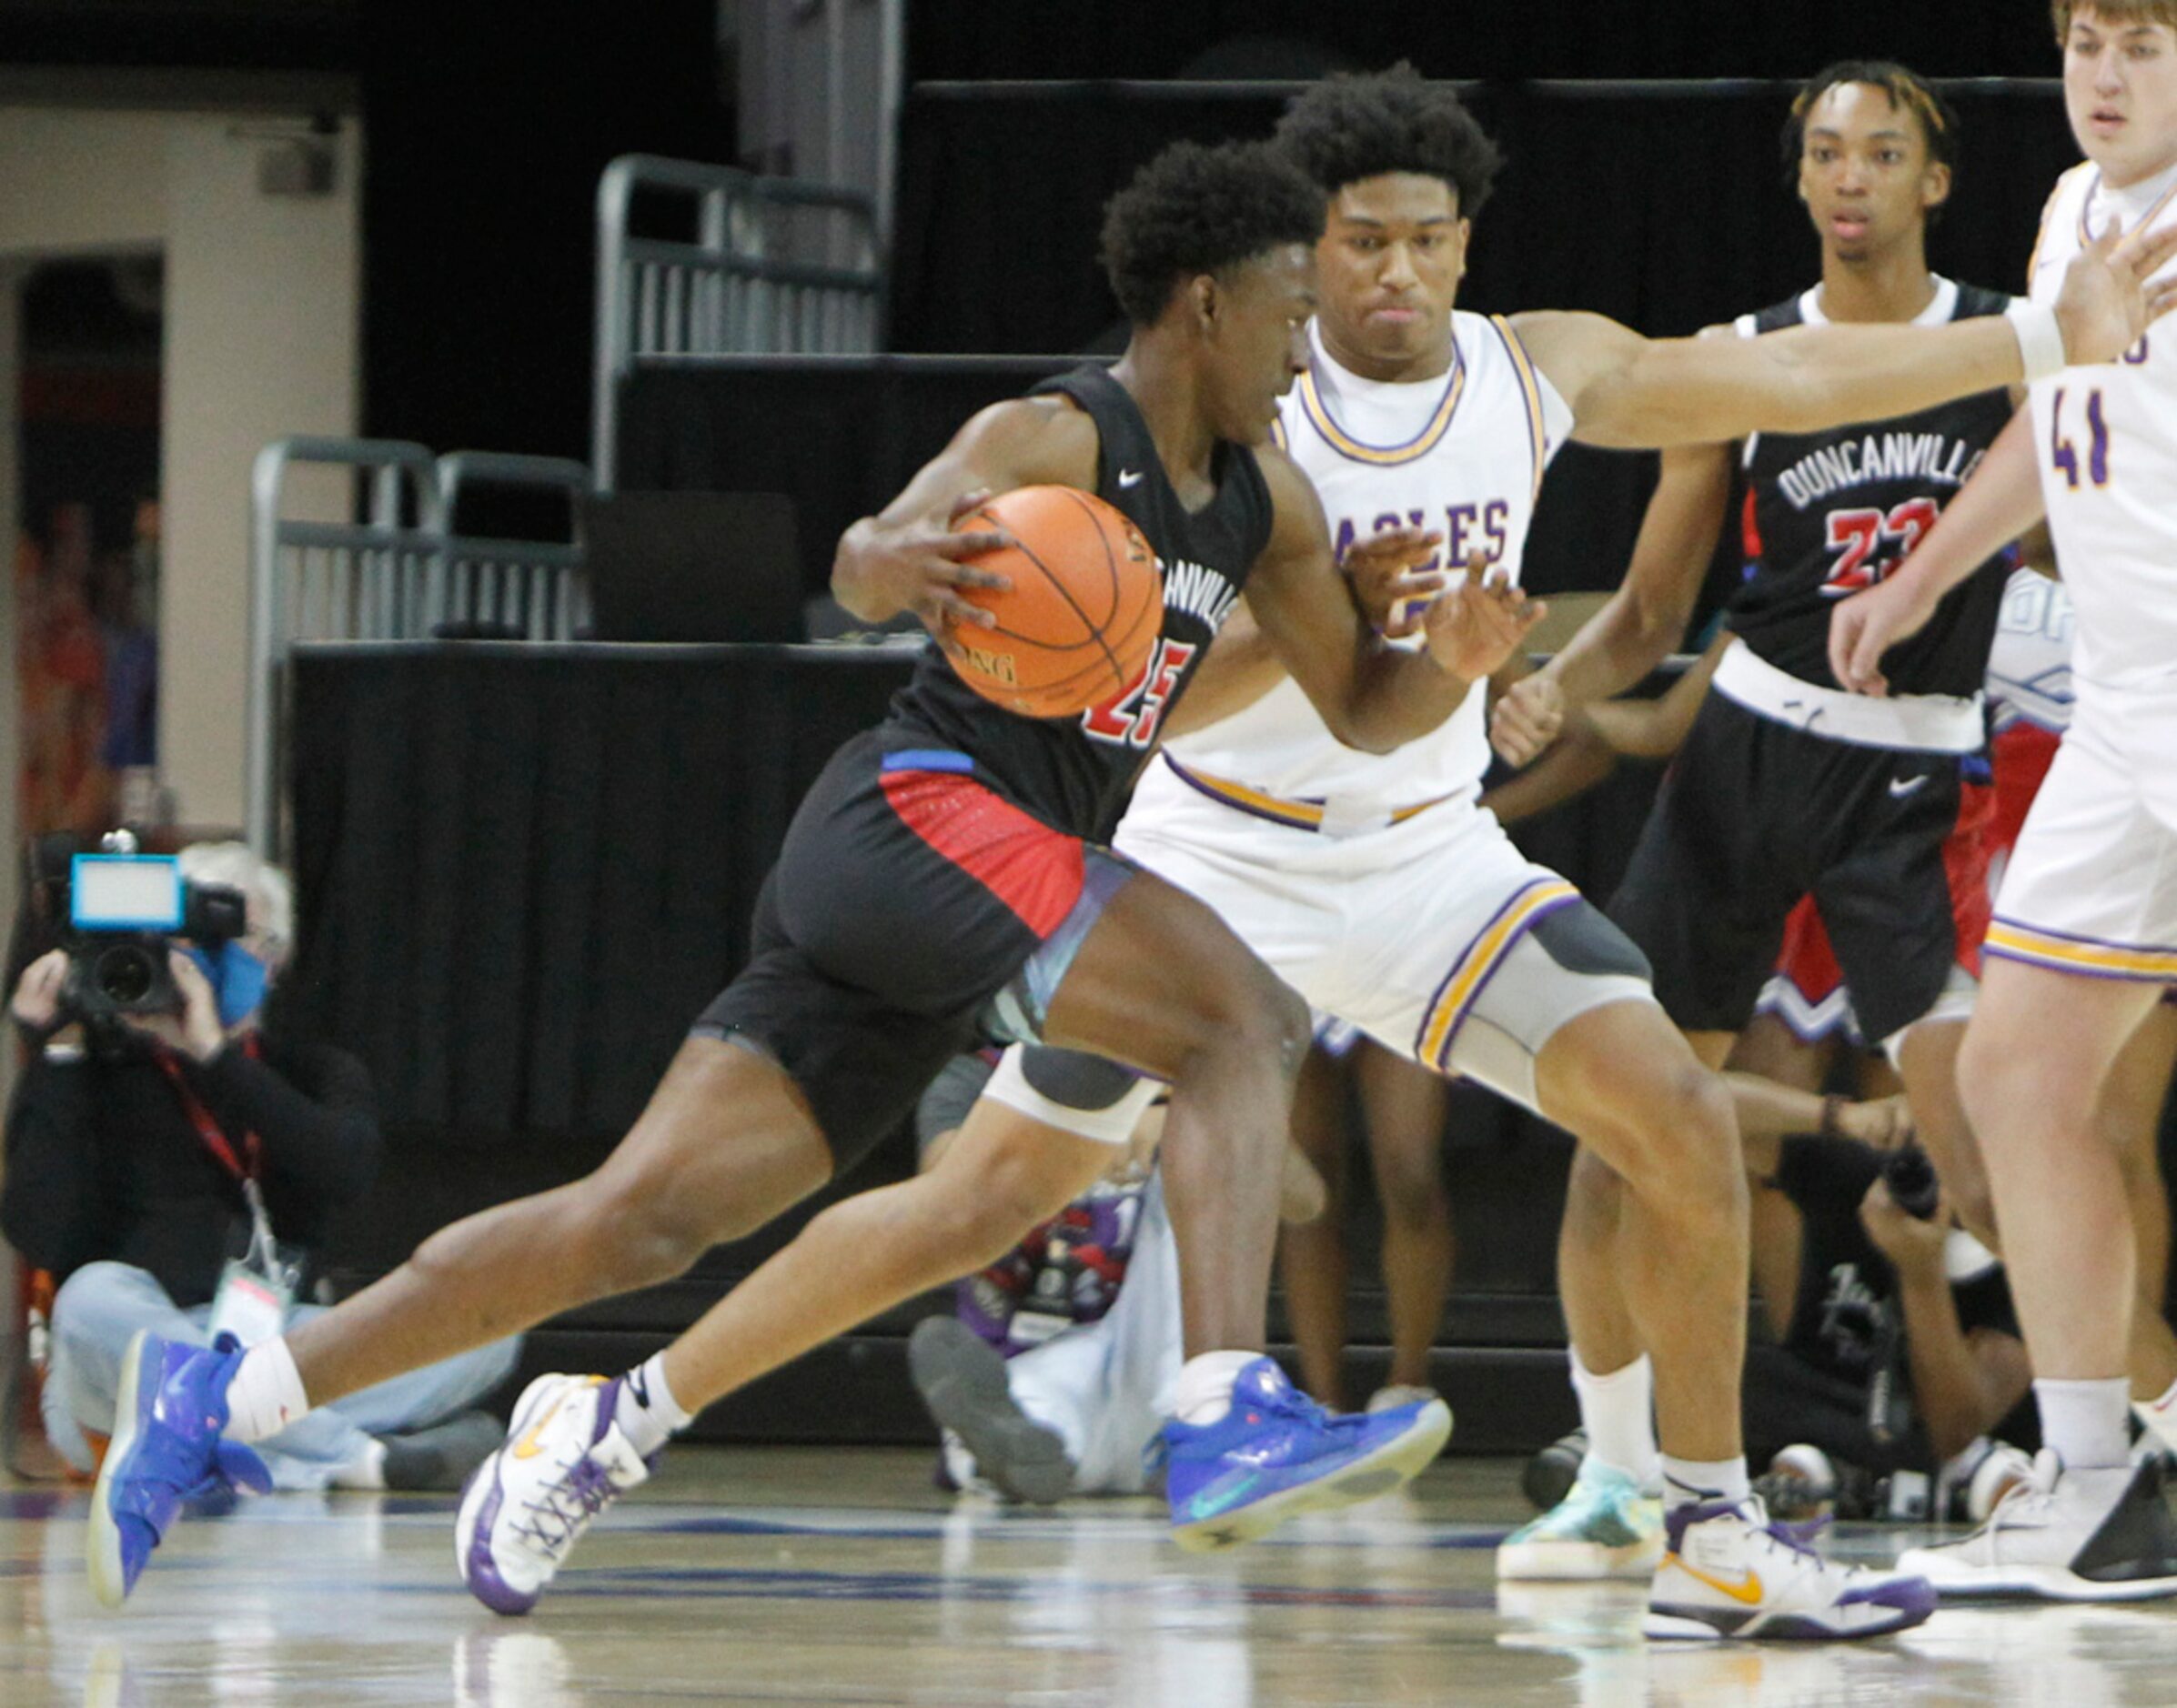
(1086, 603)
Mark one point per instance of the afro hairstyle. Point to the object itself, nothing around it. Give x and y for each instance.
(1194, 210)
(1362, 125)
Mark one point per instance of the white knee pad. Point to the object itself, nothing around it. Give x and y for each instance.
(1112, 1113)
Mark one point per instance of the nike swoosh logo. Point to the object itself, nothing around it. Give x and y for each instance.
(1900, 787)
(531, 1444)
(1748, 1593)
(1130, 477)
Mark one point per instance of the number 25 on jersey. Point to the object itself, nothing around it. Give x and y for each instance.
(1131, 718)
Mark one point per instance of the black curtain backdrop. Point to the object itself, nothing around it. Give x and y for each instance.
(487, 132)
(1663, 205)
(526, 869)
(1471, 38)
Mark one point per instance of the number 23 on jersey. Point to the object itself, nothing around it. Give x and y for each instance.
(1864, 540)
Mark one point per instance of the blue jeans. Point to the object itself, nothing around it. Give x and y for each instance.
(102, 1305)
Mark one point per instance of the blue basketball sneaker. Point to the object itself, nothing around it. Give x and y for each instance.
(166, 1449)
(1277, 1452)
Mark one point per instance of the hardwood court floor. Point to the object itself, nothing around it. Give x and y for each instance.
(839, 1576)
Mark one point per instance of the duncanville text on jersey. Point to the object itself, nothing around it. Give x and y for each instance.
(1198, 590)
(1831, 469)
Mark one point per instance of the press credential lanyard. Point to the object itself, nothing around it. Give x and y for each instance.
(255, 1289)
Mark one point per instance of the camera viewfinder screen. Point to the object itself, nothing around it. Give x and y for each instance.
(125, 892)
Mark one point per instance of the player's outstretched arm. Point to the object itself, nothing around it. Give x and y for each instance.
(1631, 392)
(1645, 620)
(1371, 695)
(911, 556)
(2000, 502)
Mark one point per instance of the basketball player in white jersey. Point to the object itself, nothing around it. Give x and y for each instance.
(1378, 888)
(1774, 797)
(2084, 940)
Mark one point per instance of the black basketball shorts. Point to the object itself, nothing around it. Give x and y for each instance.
(914, 911)
(1753, 815)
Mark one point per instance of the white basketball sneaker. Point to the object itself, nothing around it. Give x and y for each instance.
(564, 1460)
(1729, 1572)
(2064, 1535)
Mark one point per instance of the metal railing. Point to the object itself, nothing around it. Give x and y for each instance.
(767, 266)
(528, 590)
(392, 562)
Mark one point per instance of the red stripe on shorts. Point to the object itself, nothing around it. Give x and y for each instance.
(1810, 964)
(1034, 870)
(2020, 756)
(1965, 862)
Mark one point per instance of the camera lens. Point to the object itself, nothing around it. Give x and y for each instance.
(124, 974)
(1912, 1182)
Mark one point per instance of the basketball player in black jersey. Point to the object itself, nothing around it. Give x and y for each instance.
(938, 881)
(921, 880)
(1785, 787)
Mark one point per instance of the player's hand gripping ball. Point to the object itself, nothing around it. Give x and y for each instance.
(1086, 603)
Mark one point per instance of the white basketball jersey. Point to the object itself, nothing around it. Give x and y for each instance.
(2029, 663)
(1462, 455)
(2107, 442)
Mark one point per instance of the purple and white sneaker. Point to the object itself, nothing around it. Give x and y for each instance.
(564, 1462)
(1729, 1572)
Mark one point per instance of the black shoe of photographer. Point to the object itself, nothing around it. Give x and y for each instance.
(1548, 1477)
(962, 1379)
(439, 1459)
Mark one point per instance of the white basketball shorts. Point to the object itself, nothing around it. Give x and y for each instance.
(2091, 887)
(1433, 935)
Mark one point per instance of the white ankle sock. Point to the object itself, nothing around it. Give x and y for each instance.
(1689, 1480)
(2159, 1417)
(2084, 1421)
(265, 1394)
(1617, 1410)
(368, 1472)
(1204, 1390)
(646, 1410)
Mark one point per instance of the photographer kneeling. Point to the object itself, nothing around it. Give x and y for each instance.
(1894, 1346)
(174, 1169)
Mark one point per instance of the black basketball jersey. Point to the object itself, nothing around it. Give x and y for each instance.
(1827, 513)
(1076, 773)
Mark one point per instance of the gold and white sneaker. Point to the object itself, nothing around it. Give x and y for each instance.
(1729, 1572)
(2064, 1535)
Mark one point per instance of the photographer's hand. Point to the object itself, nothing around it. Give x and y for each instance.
(195, 1032)
(1914, 1246)
(36, 1004)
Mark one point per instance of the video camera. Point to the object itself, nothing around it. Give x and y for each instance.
(119, 911)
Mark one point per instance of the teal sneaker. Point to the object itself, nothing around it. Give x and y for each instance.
(1604, 1527)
